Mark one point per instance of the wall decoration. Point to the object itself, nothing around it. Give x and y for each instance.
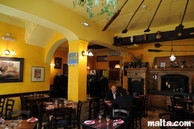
(37, 74)
(101, 58)
(11, 69)
(58, 63)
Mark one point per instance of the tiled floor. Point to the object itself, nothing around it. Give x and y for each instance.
(152, 116)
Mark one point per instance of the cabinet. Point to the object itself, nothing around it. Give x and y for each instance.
(60, 86)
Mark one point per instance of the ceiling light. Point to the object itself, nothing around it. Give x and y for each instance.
(106, 6)
(7, 37)
(172, 58)
(85, 24)
(172, 54)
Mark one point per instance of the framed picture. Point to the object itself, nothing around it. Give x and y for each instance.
(162, 64)
(101, 58)
(11, 69)
(58, 63)
(37, 74)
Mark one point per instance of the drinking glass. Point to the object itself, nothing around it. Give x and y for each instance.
(99, 116)
(107, 119)
(3, 121)
(20, 120)
(64, 101)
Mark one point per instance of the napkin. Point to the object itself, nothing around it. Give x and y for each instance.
(32, 119)
(89, 122)
(119, 120)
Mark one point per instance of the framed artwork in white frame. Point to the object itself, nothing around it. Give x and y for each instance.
(37, 74)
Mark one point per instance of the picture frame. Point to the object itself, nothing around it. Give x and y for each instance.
(37, 74)
(11, 69)
(101, 58)
(162, 64)
(58, 63)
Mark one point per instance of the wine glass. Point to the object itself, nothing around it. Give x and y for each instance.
(20, 118)
(107, 119)
(3, 121)
(99, 116)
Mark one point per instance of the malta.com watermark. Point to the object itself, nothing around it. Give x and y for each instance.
(163, 123)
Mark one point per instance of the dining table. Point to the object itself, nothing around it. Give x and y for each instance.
(32, 99)
(24, 124)
(102, 125)
(50, 106)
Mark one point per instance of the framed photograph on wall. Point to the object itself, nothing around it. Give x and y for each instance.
(11, 69)
(58, 63)
(37, 74)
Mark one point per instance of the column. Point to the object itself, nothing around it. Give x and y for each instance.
(77, 74)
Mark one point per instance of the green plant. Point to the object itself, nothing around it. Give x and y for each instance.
(137, 59)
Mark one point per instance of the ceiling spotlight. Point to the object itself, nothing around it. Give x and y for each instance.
(85, 24)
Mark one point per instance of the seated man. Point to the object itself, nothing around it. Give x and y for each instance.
(112, 94)
(124, 100)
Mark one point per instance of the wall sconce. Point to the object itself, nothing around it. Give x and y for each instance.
(52, 64)
(7, 37)
(87, 53)
(117, 66)
(8, 52)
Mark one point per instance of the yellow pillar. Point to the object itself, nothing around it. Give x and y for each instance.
(77, 74)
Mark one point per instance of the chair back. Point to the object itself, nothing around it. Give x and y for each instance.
(131, 110)
(172, 101)
(120, 114)
(2, 102)
(79, 107)
(92, 109)
(62, 117)
(167, 116)
(24, 104)
(145, 104)
(140, 107)
(15, 114)
(9, 107)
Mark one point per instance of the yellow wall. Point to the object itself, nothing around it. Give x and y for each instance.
(33, 56)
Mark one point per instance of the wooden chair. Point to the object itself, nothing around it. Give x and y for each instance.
(76, 118)
(167, 116)
(92, 109)
(145, 108)
(24, 104)
(9, 107)
(2, 102)
(42, 118)
(121, 114)
(138, 113)
(15, 114)
(131, 110)
(62, 118)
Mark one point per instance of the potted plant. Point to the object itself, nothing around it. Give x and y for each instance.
(137, 60)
